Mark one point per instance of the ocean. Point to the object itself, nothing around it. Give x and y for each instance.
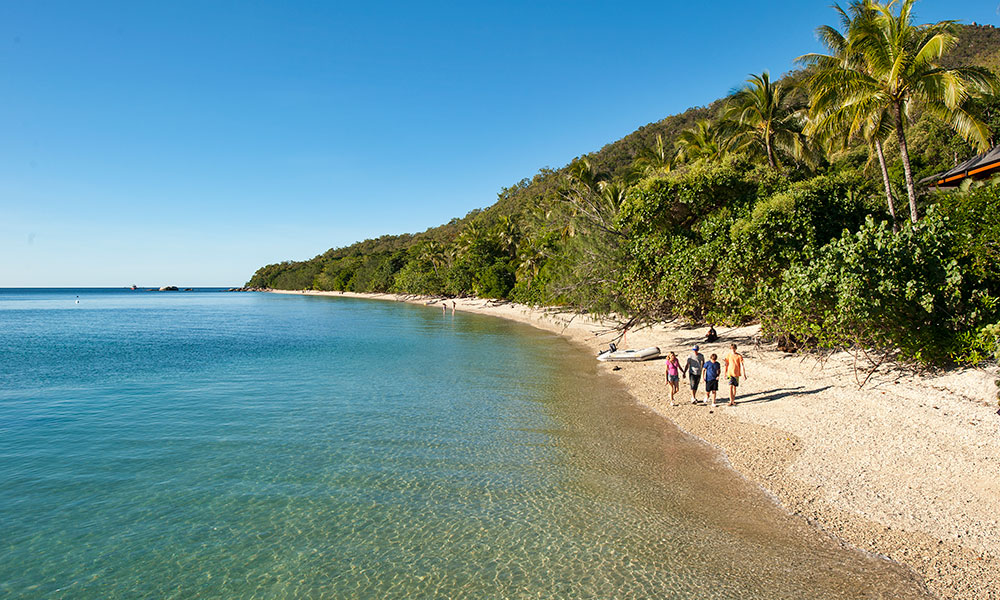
(248, 445)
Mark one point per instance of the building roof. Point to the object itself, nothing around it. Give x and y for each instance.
(978, 167)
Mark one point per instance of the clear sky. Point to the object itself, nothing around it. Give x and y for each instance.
(189, 143)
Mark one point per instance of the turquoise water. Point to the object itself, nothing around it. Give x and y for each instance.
(214, 445)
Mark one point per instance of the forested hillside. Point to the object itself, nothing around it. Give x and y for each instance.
(770, 205)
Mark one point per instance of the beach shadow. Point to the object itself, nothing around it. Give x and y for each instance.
(685, 340)
(772, 395)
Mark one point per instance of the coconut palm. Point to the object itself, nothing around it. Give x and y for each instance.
(583, 173)
(471, 237)
(433, 252)
(655, 159)
(898, 72)
(508, 234)
(532, 257)
(876, 130)
(612, 193)
(593, 197)
(831, 119)
(763, 121)
(701, 142)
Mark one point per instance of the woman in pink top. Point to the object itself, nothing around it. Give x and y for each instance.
(673, 374)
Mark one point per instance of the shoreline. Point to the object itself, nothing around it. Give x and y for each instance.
(907, 467)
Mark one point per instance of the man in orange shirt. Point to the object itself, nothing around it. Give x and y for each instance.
(734, 370)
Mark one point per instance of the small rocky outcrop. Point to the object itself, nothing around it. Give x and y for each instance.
(169, 288)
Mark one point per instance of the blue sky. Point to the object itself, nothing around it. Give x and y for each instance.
(189, 143)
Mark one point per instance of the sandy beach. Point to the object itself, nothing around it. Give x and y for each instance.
(906, 467)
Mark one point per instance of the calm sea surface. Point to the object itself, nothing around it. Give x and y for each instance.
(215, 445)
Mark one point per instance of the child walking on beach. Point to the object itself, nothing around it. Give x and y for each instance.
(673, 374)
(734, 370)
(712, 371)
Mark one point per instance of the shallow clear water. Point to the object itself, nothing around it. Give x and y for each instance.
(174, 445)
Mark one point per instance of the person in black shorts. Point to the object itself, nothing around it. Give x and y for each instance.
(712, 371)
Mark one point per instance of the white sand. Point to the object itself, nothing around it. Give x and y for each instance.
(907, 467)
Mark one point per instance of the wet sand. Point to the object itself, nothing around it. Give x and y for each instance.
(907, 467)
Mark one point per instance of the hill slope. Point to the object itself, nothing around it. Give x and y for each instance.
(723, 237)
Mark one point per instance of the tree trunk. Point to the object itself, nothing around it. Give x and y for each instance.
(888, 188)
(911, 191)
(770, 152)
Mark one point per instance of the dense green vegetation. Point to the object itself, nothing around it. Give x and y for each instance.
(794, 203)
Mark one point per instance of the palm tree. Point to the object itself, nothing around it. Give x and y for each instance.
(532, 256)
(762, 120)
(508, 234)
(592, 196)
(433, 253)
(612, 195)
(656, 159)
(877, 129)
(701, 142)
(899, 72)
(833, 120)
(471, 237)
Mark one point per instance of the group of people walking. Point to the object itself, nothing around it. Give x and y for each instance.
(696, 367)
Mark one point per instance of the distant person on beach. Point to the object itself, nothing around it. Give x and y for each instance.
(453, 307)
(712, 371)
(673, 374)
(695, 363)
(711, 336)
(734, 370)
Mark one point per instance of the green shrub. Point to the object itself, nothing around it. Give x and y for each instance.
(781, 230)
(495, 281)
(417, 278)
(899, 293)
(975, 216)
(677, 201)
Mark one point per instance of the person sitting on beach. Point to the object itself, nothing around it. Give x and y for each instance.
(734, 370)
(673, 374)
(712, 371)
(711, 336)
(695, 362)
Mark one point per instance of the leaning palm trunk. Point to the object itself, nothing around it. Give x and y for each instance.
(888, 188)
(910, 188)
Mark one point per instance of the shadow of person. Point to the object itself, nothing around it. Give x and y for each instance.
(772, 395)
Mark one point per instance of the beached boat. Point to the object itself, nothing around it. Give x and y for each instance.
(629, 355)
